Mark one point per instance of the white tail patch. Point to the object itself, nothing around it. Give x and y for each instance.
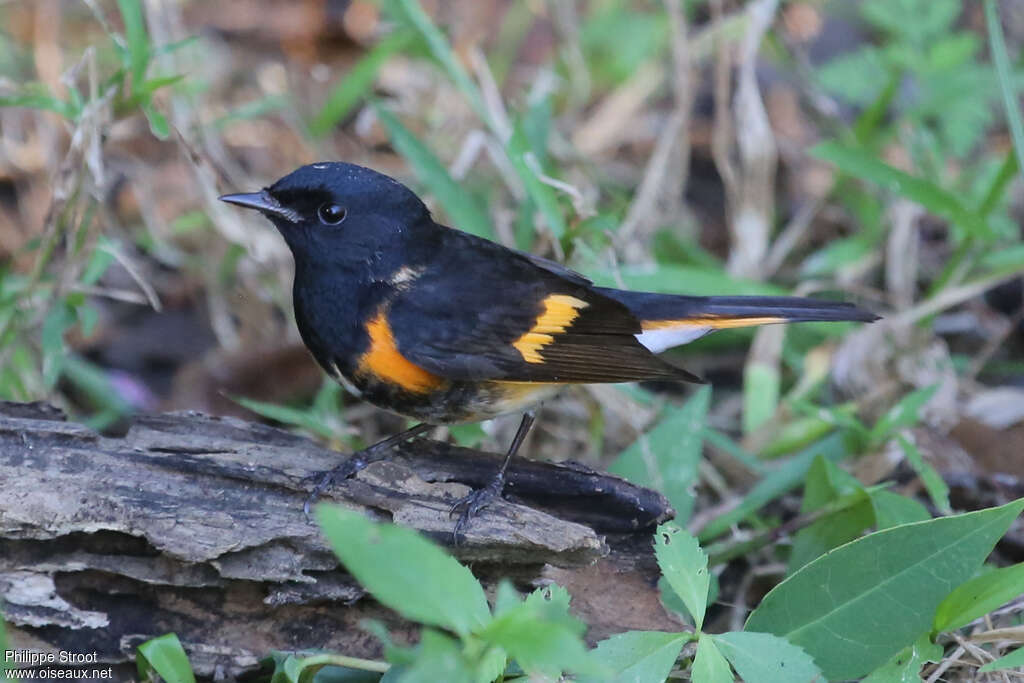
(663, 338)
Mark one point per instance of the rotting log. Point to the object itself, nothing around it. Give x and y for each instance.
(194, 524)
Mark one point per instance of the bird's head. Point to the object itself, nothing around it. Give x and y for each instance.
(334, 204)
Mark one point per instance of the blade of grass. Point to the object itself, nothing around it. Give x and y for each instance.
(353, 86)
(412, 12)
(138, 40)
(464, 210)
(865, 166)
(1003, 72)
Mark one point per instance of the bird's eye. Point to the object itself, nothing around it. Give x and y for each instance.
(331, 214)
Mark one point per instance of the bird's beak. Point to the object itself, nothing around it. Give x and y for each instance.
(263, 202)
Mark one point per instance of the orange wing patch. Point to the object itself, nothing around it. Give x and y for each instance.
(714, 322)
(559, 312)
(383, 360)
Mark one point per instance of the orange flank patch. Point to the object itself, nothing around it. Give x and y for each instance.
(714, 322)
(559, 312)
(384, 362)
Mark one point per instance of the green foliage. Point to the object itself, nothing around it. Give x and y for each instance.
(411, 575)
(166, 658)
(855, 607)
(685, 567)
(323, 417)
(979, 596)
(666, 458)
(38, 310)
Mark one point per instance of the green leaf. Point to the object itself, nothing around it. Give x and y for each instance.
(934, 484)
(157, 121)
(685, 567)
(866, 166)
(978, 597)
(164, 656)
(518, 150)
(639, 655)
(855, 607)
(462, 207)
(437, 658)
(405, 571)
(905, 413)
(761, 387)
(765, 658)
(1004, 72)
(905, 665)
(783, 479)
(668, 278)
(136, 38)
(826, 484)
(1014, 660)
(667, 457)
(541, 636)
(356, 83)
(412, 12)
(892, 509)
(709, 666)
(287, 415)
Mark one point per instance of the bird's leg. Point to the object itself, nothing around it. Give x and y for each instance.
(479, 499)
(359, 460)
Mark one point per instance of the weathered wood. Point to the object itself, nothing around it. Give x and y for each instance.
(194, 524)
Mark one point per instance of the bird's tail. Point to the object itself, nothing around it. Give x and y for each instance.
(671, 319)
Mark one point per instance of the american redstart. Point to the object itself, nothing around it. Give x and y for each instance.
(445, 327)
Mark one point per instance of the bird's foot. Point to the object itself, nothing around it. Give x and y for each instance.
(324, 480)
(356, 462)
(469, 506)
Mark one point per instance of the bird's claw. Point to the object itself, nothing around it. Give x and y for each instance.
(324, 480)
(469, 506)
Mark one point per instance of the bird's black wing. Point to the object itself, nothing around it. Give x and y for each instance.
(479, 311)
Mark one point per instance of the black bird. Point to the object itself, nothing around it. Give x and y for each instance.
(445, 327)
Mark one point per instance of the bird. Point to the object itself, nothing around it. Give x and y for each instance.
(445, 327)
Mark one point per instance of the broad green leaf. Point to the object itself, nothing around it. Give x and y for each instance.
(356, 83)
(438, 658)
(892, 509)
(1014, 660)
(405, 571)
(542, 638)
(666, 458)
(639, 655)
(462, 207)
(765, 658)
(136, 38)
(855, 607)
(978, 597)
(783, 479)
(166, 657)
(827, 484)
(685, 567)
(867, 166)
(905, 665)
(709, 666)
